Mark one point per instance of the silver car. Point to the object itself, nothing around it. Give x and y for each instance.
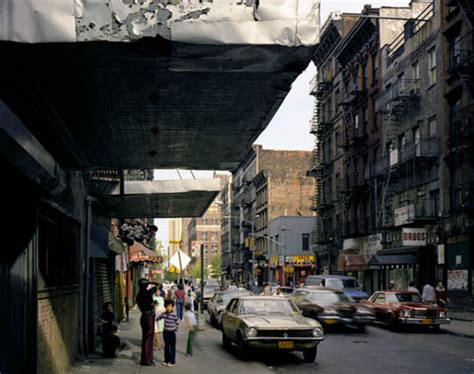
(217, 304)
(270, 323)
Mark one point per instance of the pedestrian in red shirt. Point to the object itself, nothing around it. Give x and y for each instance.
(441, 295)
(179, 296)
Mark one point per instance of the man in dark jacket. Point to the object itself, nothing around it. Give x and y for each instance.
(147, 320)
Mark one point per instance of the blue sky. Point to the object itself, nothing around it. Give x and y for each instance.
(289, 129)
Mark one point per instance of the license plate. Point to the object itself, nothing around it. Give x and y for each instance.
(426, 322)
(330, 321)
(285, 345)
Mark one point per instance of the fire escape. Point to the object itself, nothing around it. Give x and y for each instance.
(403, 161)
(354, 144)
(320, 165)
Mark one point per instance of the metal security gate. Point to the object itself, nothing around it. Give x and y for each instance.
(102, 291)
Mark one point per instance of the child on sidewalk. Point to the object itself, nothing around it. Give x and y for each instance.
(190, 326)
(169, 333)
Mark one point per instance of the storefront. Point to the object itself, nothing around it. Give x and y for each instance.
(297, 268)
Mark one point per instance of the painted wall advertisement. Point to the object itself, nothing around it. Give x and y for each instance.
(404, 214)
(458, 279)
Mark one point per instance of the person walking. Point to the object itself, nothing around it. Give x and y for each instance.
(159, 303)
(267, 290)
(147, 320)
(428, 295)
(190, 324)
(171, 324)
(106, 327)
(180, 296)
(412, 287)
(441, 295)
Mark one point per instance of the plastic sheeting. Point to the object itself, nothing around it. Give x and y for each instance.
(244, 22)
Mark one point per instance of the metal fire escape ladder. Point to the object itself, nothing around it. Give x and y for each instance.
(316, 161)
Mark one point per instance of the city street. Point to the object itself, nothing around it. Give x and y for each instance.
(378, 350)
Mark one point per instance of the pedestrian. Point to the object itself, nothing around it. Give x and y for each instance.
(428, 295)
(190, 298)
(179, 296)
(441, 295)
(159, 304)
(162, 291)
(147, 320)
(267, 290)
(105, 327)
(171, 322)
(111, 342)
(391, 285)
(190, 324)
(412, 287)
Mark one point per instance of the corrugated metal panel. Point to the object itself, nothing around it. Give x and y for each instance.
(102, 291)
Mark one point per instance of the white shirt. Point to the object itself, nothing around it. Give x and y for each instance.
(189, 320)
(428, 293)
(414, 289)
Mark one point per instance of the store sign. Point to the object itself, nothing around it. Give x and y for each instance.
(374, 244)
(404, 214)
(300, 260)
(413, 237)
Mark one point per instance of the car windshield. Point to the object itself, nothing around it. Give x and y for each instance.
(341, 283)
(408, 298)
(324, 297)
(268, 306)
(226, 297)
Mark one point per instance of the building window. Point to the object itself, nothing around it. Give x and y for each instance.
(417, 140)
(375, 67)
(364, 76)
(415, 68)
(305, 238)
(434, 202)
(454, 51)
(337, 99)
(456, 192)
(432, 66)
(432, 127)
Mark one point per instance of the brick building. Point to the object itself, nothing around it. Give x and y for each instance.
(266, 185)
(457, 78)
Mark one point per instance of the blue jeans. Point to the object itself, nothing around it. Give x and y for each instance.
(179, 308)
(170, 346)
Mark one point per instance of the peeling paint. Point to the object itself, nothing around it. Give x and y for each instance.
(270, 22)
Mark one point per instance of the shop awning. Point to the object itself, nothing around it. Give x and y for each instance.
(140, 253)
(351, 262)
(396, 259)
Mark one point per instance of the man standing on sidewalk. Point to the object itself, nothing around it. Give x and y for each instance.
(147, 320)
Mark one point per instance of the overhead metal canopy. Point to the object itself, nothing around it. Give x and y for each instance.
(185, 95)
(162, 199)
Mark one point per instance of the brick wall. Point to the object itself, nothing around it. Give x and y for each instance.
(57, 335)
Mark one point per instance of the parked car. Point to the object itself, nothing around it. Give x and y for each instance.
(349, 285)
(217, 304)
(332, 307)
(271, 323)
(208, 295)
(405, 308)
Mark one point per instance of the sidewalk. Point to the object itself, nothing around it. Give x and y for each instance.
(127, 361)
(462, 323)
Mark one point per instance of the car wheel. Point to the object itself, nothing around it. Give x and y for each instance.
(226, 343)
(310, 354)
(243, 349)
(436, 328)
(361, 328)
(392, 322)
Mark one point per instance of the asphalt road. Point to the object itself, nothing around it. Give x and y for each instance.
(379, 350)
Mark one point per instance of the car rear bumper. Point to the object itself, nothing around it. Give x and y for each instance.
(424, 321)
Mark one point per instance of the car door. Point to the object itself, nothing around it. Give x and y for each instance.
(228, 318)
(381, 307)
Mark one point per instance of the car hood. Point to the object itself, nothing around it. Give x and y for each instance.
(278, 321)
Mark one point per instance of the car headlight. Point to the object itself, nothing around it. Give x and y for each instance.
(442, 314)
(251, 332)
(406, 313)
(318, 331)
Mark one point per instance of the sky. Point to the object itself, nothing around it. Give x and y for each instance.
(289, 128)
